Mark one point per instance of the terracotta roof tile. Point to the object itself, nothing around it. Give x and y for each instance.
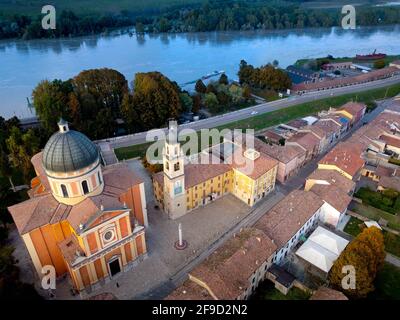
(228, 269)
(346, 156)
(283, 221)
(333, 195)
(333, 178)
(189, 290)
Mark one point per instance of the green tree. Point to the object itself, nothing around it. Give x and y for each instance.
(186, 101)
(22, 146)
(139, 27)
(211, 102)
(5, 167)
(50, 100)
(130, 114)
(200, 87)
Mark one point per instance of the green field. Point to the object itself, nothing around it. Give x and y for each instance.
(353, 227)
(375, 214)
(281, 116)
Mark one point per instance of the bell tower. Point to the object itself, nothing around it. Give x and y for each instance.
(174, 174)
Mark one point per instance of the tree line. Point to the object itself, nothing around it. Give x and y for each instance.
(211, 16)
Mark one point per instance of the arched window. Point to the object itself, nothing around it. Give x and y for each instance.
(85, 187)
(64, 191)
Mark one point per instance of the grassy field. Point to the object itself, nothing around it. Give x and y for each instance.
(33, 7)
(392, 241)
(353, 227)
(281, 116)
(375, 214)
(302, 62)
(387, 284)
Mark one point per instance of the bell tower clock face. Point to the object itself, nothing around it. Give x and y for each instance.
(177, 187)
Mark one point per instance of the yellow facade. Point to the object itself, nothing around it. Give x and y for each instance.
(233, 181)
(333, 167)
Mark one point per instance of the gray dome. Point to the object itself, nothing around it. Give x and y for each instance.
(68, 151)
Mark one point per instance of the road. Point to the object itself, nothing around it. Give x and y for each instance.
(295, 182)
(216, 121)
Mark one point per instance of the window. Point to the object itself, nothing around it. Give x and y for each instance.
(85, 187)
(167, 165)
(176, 166)
(64, 191)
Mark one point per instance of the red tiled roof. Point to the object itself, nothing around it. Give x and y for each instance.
(283, 221)
(228, 269)
(353, 108)
(370, 76)
(333, 195)
(333, 178)
(345, 156)
(306, 139)
(390, 140)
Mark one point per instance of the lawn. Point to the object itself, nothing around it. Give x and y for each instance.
(392, 243)
(267, 291)
(387, 284)
(125, 153)
(388, 200)
(375, 214)
(353, 227)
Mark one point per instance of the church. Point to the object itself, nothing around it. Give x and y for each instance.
(84, 219)
(183, 186)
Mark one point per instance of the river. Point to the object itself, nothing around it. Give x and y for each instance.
(182, 57)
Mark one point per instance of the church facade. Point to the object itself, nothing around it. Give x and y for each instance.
(82, 218)
(182, 187)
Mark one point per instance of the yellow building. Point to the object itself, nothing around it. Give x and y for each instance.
(181, 187)
(81, 218)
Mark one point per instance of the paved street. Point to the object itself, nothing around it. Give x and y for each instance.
(213, 122)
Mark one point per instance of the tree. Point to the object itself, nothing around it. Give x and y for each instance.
(366, 253)
(155, 99)
(223, 79)
(275, 63)
(211, 88)
(200, 87)
(22, 146)
(130, 114)
(246, 92)
(5, 167)
(139, 27)
(196, 103)
(379, 64)
(105, 125)
(186, 101)
(211, 102)
(50, 100)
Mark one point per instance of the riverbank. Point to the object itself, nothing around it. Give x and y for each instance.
(184, 56)
(162, 16)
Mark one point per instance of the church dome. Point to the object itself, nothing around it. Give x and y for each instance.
(68, 151)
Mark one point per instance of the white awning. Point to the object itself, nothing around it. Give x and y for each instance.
(322, 248)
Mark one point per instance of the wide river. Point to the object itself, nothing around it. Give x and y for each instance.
(182, 57)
